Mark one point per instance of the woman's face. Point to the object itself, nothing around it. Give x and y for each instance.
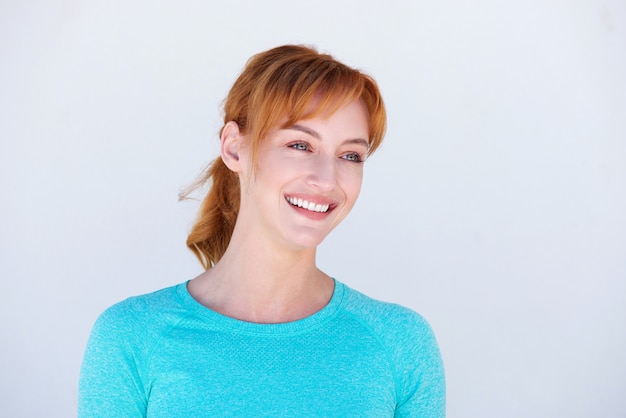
(307, 179)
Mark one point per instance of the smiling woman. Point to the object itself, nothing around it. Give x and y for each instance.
(263, 331)
(316, 161)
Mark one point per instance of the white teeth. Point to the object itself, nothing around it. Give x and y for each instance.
(305, 204)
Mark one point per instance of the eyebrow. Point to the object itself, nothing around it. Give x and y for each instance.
(316, 135)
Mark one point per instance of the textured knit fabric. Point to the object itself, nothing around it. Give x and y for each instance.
(165, 355)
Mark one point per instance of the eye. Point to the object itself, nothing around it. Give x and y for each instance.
(300, 146)
(353, 157)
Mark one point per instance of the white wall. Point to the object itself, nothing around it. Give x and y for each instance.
(496, 208)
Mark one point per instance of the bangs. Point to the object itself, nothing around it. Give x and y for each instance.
(300, 90)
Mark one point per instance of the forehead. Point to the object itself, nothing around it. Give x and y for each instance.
(348, 122)
(320, 106)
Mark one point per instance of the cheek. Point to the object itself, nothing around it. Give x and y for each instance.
(352, 181)
(272, 169)
(357, 189)
(279, 164)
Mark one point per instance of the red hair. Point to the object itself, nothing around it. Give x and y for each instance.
(278, 84)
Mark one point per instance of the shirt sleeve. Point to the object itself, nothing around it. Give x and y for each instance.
(421, 373)
(110, 384)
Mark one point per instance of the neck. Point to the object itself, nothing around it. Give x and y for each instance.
(260, 282)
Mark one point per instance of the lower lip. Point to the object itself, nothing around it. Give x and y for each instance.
(316, 216)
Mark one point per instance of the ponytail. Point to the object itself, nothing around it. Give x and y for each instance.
(211, 233)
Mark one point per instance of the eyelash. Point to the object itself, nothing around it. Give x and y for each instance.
(356, 157)
(352, 157)
(297, 146)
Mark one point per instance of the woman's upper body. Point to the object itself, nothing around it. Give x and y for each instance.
(298, 127)
(166, 355)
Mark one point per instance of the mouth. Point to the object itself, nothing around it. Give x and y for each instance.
(305, 204)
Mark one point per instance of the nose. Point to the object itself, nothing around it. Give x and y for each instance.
(323, 174)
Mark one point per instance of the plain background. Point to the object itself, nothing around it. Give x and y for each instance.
(496, 207)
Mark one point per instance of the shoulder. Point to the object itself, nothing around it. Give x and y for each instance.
(387, 320)
(412, 349)
(114, 368)
(140, 318)
(146, 303)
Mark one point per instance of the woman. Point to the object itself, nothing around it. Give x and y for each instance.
(263, 331)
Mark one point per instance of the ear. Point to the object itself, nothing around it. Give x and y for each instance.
(232, 144)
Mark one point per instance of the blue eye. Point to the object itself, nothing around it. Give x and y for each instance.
(354, 157)
(301, 146)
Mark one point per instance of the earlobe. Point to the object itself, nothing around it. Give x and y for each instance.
(231, 146)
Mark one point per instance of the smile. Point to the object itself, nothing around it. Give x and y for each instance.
(305, 204)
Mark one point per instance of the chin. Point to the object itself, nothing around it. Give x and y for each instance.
(307, 241)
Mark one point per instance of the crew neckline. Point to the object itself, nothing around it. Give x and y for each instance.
(226, 323)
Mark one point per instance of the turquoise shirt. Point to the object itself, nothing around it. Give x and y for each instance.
(165, 355)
